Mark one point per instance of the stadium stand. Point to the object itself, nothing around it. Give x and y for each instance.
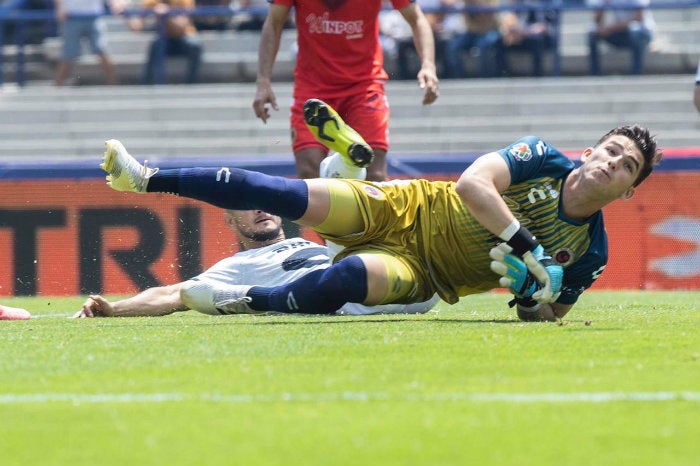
(231, 56)
(674, 49)
(228, 56)
(216, 121)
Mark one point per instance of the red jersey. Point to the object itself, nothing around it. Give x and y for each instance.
(339, 46)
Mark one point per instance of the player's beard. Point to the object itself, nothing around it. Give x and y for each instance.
(263, 235)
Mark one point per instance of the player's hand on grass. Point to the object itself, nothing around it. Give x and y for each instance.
(95, 306)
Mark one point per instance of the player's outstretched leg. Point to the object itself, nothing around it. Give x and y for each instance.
(320, 291)
(228, 188)
(125, 173)
(330, 130)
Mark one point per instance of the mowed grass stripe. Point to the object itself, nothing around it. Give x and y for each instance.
(592, 397)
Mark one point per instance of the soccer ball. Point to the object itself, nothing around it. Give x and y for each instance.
(334, 166)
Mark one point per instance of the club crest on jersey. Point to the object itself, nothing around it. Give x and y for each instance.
(372, 192)
(521, 152)
(563, 257)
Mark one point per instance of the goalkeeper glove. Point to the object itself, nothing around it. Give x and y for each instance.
(513, 271)
(548, 273)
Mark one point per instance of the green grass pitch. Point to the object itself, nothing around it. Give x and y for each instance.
(468, 385)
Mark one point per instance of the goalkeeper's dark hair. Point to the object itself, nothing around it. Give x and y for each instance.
(645, 142)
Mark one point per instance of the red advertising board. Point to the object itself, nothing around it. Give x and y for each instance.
(74, 237)
(69, 237)
(654, 238)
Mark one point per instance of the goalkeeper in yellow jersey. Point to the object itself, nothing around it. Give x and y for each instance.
(523, 217)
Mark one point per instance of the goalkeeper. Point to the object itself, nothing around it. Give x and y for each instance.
(408, 239)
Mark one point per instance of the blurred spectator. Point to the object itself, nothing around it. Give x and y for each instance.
(483, 36)
(212, 22)
(533, 31)
(80, 19)
(32, 32)
(250, 14)
(696, 95)
(398, 38)
(180, 38)
(630, 28)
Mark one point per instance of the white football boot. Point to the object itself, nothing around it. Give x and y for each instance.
(125, 173)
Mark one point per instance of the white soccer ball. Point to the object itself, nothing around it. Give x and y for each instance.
(334, 166)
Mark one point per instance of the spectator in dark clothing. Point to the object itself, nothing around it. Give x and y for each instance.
(482, 36)
(213, 22)
(180, 39)
(533, 31)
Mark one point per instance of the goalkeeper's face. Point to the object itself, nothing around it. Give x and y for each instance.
(254, 225)
(612, 167)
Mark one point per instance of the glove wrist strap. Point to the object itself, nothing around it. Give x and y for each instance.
(522, 241)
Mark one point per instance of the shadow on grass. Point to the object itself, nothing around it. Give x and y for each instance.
(273, 320)
(306, 319)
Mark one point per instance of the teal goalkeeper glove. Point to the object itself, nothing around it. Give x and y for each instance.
(539, 268)
(548, 273)
(513, 272)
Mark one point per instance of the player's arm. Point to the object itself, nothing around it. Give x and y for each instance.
(270, 38)
(157, 301)
(425, 46)
(480, 188)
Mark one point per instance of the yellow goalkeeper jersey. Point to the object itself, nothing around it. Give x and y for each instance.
(426, 223)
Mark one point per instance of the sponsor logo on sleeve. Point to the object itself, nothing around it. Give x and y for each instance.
(521, 152)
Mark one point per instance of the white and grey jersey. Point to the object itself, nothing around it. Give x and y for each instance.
(282, 263)
(273, 265)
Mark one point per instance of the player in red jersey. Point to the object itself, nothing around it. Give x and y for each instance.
(341, 62)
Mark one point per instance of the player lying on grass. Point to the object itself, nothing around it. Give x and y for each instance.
(406, 240)
(267, 257)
